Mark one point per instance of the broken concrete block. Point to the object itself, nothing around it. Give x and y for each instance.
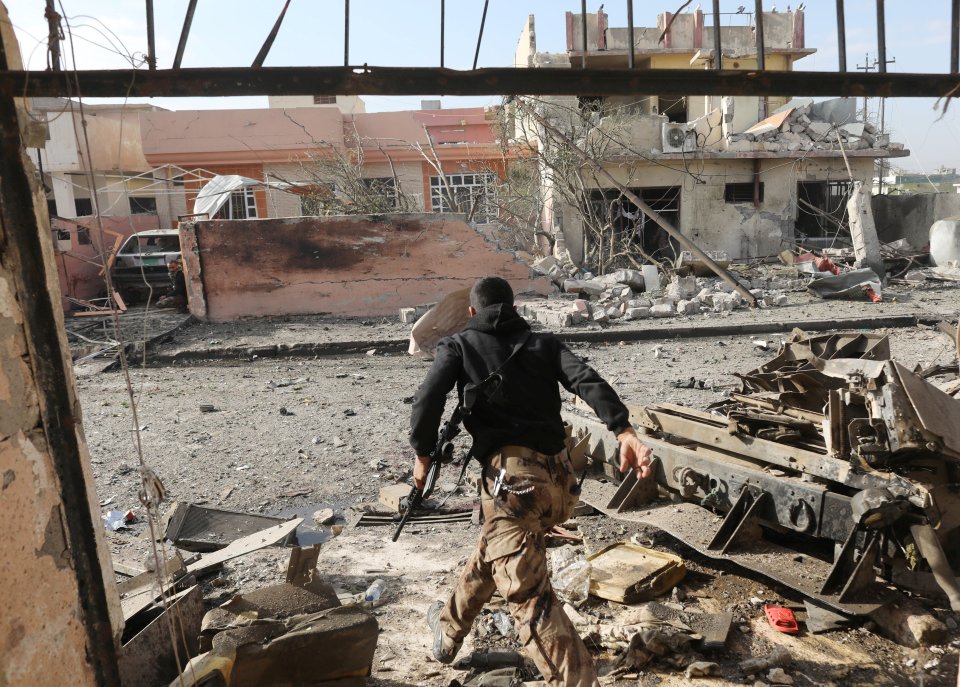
(578, 317)
(639, 303)
(651, 277)
(780, 299)
(908, 623)
(558, 320)
(631, 278)
(408, 315)
(665, 300)
(686, 307)
(819, 129)
(545, 265)
(725, 303)
(706, 297)
(324, 516)
(392, 494)
(637, 313)
(582, 306)
(599, 316)
(594, 287)
(682, 288)
(613, 313)
(663, 310)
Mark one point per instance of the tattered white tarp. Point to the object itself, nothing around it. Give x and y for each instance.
(216, 192)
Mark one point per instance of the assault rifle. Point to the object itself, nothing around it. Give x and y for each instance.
(442, 453)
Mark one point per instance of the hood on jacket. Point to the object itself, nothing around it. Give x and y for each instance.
(497, 319)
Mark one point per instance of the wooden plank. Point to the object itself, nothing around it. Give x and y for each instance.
(245, 545)
(95, 313)
(119, 301)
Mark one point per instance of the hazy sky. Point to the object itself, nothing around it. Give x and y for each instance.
(406, 33)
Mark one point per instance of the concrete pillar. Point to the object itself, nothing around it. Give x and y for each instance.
(863, 231)
(63, 194)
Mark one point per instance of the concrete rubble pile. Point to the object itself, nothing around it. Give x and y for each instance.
(832, 442)
(628, 294)
(812, 127)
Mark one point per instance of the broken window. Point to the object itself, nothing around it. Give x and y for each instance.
(673, 107)
(631, 227)
(742, 192)
(142, 205)
(324, 100)
(83, 236)
(473, 194)
(822, 208)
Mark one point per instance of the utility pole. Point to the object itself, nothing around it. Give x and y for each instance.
(868, 66)
(883, 114)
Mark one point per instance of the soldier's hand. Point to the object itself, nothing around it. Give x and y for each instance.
(633, 453)
(420, 467)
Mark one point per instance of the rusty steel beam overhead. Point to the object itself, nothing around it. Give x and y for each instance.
(231, 81)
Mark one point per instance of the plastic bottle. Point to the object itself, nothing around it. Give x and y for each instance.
(375, 591)
(504, 623)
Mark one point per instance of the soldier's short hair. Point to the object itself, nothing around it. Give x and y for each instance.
(489, 291)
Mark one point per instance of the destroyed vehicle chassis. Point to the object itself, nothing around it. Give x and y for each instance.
(703, 481)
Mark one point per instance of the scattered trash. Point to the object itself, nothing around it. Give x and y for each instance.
(207, 408)
(375, 591)
(571, 575)
(372, 351)
(118, 520)
(201, 529)
(504, 624)
(628, 573)
(284, 411)
(781, 619)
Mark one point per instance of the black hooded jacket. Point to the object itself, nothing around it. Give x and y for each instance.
(527, 413)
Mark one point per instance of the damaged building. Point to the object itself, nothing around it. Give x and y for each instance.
(742, 175)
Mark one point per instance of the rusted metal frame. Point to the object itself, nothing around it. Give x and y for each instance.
(346, 34)
(483, 21)
(630, 36)
(769, 404)
(740, 518)
(881, 38)
(716, 35)
(672, 231)
(151, 38)
(22, 242)
(184, 34)
(955, 36)
(271, 37)
(583, 32)
(692, 428)
(443, 29)
(758, 19)
(229, 81)
(53, 35)
(842, 36)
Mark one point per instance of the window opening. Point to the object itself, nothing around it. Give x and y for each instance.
(822, 211)
(741, 192)
(631, 225)
(473, 194)
(143, 205)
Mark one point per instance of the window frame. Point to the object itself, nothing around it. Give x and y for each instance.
(481, 192)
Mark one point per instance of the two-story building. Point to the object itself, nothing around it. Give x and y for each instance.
(745, 175)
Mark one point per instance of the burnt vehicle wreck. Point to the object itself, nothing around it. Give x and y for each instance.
(835, 471)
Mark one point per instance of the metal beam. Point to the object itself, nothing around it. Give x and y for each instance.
(229, 81)
(346, 33)
(841, 36)
(583, 33)
(483, 21)
(717, 47)
(955, 36)
(630, 36)
(151, 39)
(271, 37)
(184, 34)
(758, 20)
(881, 38)
(443, 29)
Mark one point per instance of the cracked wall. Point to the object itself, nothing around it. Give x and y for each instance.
(349, 265)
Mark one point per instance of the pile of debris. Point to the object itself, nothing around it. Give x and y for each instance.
(638, 294)
(821, 126)
(833, 443)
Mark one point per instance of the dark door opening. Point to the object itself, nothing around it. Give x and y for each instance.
(631, 228)
(822, 210)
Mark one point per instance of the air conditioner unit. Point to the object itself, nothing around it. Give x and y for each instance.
(679, 138)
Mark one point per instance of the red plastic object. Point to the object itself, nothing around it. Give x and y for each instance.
(782, 619)
(826, 265)
(873, 295)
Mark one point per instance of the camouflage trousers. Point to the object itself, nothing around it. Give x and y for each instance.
(510, 557)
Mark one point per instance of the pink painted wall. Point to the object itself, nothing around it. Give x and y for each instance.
(351, 265)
